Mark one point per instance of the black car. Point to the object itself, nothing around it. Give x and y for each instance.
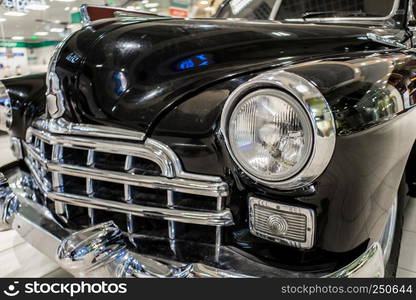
(274, 140)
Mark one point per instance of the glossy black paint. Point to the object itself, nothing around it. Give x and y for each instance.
(137, 71)
(138, 75)
(28, 100)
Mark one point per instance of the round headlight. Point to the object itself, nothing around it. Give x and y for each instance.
(6, 113)
(279, 129)
(270, 135)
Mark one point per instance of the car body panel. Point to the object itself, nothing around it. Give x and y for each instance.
(170, 79)
(136, 71)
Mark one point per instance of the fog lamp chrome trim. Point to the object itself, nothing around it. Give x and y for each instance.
(283, 208)
(320, 114)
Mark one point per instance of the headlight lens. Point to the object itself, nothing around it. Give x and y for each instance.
(6, 113)
(270, 135)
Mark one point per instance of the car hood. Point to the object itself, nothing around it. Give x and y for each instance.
(129, 74)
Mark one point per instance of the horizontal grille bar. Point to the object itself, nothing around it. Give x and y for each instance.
(157, 182)
(223, 218)
(61, 126)
(116, 147)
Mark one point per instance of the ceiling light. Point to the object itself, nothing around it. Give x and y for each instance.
(204, 2)
(17, 38)
(67, 8)
(37, 6)
(153, 10)
(56, 29)
(66, 0)
(14, 13)
(150, 5)
(145, 1)
(3, 19)
(41, 33)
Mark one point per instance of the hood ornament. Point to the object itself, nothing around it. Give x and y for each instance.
(91, 13)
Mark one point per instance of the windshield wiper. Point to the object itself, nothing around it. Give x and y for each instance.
(336, 13)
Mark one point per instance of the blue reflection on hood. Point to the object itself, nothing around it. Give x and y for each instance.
(196, 61)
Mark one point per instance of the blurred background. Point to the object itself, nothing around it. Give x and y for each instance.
(30, 29)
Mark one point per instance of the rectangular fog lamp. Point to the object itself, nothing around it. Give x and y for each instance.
(284, 224)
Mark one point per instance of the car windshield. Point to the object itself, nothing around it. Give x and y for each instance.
(302, 10)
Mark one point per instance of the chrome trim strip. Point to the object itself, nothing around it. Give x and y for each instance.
(174, 159)
(320, 114)
(386, 241)
(60, 209)
(369, 265)
(115, 147)
(61, 126)
(128, 198)
(223, 218)
(155, 182)
(89, 185)
(275, 10)
(54, 95)
(384, 40)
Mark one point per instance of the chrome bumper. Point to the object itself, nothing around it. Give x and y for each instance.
(102, 250)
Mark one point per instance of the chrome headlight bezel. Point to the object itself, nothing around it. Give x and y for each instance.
(6, 110)
(319, 113)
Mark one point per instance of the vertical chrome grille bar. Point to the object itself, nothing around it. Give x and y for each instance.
(41, 168)
(171, 224)
(61, 209)
(128, 197)
(42, 149)
(218, 230)
(89, 186)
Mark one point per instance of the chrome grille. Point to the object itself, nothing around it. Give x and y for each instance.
(85, 166)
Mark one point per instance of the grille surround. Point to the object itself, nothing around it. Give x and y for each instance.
(48, 168)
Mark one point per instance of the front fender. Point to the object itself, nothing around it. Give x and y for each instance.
(372, 99)
(373, 103)
(27, 94)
